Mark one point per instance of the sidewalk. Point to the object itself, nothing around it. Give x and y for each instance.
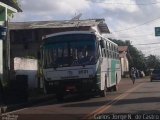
(32, 101)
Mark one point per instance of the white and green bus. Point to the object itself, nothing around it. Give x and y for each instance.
(79, 62)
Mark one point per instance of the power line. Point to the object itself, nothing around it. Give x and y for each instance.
(150, 49)
(128, 4)
(137, 25)
(142, 4)
(137, 35)
(148, 43)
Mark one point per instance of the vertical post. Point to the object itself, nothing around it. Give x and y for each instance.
(2, 37)
(2, 19)
(1, 59)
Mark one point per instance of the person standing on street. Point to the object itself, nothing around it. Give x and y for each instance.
(133, 74)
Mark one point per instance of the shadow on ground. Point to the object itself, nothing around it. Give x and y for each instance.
(121, 102)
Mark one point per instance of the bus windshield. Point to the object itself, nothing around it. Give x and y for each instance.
(69, 50)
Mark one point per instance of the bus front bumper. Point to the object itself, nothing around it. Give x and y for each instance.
(72, 85)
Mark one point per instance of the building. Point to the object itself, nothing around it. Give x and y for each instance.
(26, 37)
(6, 7)
(123, 51)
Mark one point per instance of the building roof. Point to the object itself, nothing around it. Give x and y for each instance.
(122, 48)
(12, 4)
(102, 26)
(122, 54)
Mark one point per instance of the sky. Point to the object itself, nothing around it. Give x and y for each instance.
(133, 20)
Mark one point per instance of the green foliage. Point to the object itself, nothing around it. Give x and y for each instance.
(16, 1)
(153, 62)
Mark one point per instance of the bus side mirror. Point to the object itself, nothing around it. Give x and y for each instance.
(38, 55)
(102, 43)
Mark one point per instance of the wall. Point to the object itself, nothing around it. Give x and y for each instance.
(124, 64)
(29, 67)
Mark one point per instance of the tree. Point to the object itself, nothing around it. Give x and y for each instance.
(153, 62)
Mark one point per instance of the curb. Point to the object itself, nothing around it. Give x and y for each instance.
(31, 102)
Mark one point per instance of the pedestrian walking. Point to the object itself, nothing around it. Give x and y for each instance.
(133, 74)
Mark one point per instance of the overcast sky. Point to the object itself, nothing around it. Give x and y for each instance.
(132, 20)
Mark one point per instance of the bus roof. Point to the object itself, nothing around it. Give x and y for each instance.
(105, 38)
(68, 32)
(77, 32)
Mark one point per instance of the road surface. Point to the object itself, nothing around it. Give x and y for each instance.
(142, 97)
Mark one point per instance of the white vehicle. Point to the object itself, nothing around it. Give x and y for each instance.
(79, 61)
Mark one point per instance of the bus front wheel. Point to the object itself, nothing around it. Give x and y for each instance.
(103, 93)
(115, 87)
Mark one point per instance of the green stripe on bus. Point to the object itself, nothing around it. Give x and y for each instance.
(113, 70)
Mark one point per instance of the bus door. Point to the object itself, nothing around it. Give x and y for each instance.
(104, 64)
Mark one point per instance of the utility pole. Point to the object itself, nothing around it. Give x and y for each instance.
(6, 7)
(3, 18)
(2, 38)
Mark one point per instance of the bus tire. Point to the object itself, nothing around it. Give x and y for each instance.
(115, 87)
(103, 93)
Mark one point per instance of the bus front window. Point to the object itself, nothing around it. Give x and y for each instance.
(84, 53)
(69, 53)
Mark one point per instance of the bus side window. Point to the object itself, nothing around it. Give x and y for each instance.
(107, 52)
(111, 54)
(114, 49)
(101, 52)
(106, 49)
(117, 56)
(117, 53)
(102, 47)
(98, 50)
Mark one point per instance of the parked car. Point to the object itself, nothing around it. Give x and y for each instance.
(155, 75)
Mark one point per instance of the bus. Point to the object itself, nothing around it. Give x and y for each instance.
(79, 62)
